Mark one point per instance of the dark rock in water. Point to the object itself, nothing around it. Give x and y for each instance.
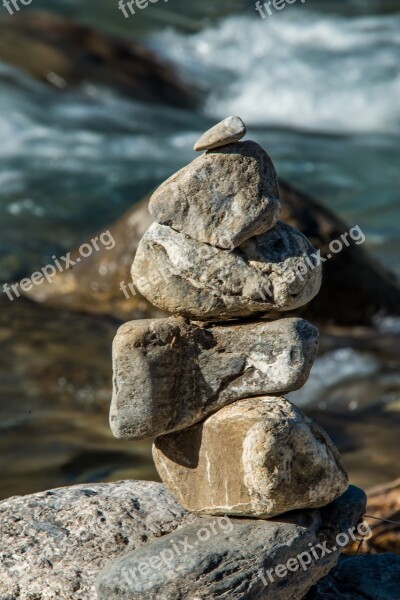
(63, 53)
(100, 283)
(374, 577)
(223, 558)
(354, 286)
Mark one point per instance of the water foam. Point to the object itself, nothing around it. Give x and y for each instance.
(297, 69)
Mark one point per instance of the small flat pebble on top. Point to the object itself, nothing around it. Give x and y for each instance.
(226, 132)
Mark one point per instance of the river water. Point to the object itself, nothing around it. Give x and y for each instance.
(318, 85)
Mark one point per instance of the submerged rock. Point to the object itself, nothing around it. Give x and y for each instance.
(223, 558)
(65, 53)
(228, 131)
(267, 274)
(258, 457)
(222, 198)
(171, 373)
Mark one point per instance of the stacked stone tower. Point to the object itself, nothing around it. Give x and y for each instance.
(207, 383)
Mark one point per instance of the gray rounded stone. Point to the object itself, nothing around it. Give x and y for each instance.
(230, 130)
(222, 198)
(269, 273)
(172, 373)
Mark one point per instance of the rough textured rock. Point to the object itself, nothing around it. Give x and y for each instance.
(228, 131)
(171, 373)
(258, 457)
(53, 544)
(222, 198)
(229, 559)
(266, 274)
(361, 287)
(374, 577)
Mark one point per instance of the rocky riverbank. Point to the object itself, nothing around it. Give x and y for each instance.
(54, 543)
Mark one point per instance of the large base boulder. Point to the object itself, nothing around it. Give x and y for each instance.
(238, 559)
(53, 544)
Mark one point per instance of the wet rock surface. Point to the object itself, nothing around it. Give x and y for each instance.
(64, 53)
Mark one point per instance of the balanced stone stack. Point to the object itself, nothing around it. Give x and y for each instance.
(208, 382)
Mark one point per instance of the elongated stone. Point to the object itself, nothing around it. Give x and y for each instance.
(222, 198)
(270, 273)
(171, 373)
(258, 457)
(237, 559)
(230, 130)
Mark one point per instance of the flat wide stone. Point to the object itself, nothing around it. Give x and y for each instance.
(222, 198)
(236, 559)
(230, 130)
(172, 373)
(54, 543)
(258, 457)
(270, 273)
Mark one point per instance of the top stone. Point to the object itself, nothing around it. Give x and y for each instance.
(228, 131)
(222, 198)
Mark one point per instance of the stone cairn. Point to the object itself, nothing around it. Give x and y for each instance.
(208, 382)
